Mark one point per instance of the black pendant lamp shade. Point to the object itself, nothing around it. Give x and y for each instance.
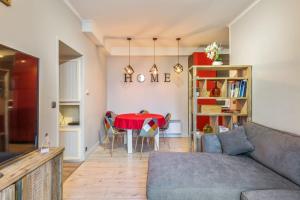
(129, 69)
(154, 69)
(178, 68)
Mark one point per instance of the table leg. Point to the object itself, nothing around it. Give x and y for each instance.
(156, 141)
(129, 141)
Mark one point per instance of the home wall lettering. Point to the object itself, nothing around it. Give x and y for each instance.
(154, 78)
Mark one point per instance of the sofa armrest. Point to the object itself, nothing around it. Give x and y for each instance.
(275, 194)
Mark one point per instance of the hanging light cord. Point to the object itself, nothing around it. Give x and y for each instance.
(129, 39)
(154, 39)
(178, 50)
(178, 39)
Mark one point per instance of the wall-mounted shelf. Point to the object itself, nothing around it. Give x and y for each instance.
(219, 68)
(69, 103)
(223, 114)
(68, 127)
(222, 98)
(220, 78)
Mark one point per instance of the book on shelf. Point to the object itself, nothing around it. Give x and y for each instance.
(244, 88)
(237, 88)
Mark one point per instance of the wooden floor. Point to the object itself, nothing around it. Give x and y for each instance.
(122, 176)
(69, 168)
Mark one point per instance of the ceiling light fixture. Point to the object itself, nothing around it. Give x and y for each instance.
(129, 69)
(154, 69)
(178, 68)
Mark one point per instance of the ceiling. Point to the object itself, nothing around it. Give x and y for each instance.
(197, 22)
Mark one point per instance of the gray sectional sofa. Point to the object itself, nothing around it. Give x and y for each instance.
(270, 172)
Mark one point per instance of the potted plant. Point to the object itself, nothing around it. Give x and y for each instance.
(213, 52)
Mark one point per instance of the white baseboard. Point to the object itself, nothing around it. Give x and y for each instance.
(173, 135)
(91, 150)
(72, 159)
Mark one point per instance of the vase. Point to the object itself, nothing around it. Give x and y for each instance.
(217, 63)
(215, 92)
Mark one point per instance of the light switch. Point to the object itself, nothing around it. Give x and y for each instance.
(53, 104)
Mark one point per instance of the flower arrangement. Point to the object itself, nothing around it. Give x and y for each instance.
(213, 51)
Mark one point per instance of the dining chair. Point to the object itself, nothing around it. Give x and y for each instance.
(149, 130)
(110, 131)
(111, 116)
(166, 126)
(144, 112)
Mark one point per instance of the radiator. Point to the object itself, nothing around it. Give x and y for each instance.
(175, 128)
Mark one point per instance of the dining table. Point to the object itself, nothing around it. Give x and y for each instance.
(135, 121)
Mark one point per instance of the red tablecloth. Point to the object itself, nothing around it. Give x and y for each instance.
(135, 121)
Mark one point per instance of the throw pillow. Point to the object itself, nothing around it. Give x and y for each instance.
(211, 143)
(235, 142)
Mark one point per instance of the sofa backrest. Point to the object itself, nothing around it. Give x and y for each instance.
(278, 150)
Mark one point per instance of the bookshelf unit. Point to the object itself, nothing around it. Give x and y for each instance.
(231, 105)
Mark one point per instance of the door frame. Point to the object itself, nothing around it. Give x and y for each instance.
(81, 97)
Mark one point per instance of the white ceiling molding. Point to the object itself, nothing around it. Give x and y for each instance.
(159, 51)
(92, 31)
(76, 13)
(244, 12)
(88, 27)
(148, 51)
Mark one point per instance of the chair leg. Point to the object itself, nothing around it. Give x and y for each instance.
(164, 137)
(142, 146)
(155, 144)
(112, 145)
(136, 141)
(122, 139)
(105, 142)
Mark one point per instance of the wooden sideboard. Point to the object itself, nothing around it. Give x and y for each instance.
(34, 176)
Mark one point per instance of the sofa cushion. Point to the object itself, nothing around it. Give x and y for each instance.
(204, 176)
(211, 143)
(280, 151)
(271, 195)
(235, 142)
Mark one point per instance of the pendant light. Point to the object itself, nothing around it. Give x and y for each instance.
(178, 68)
(129, 69)
(154, 69)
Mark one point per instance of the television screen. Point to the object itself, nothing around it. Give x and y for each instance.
(18, 103)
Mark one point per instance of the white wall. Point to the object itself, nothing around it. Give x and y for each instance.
(95, 101)
(156, 97)
(268, 37)
(34, 27)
